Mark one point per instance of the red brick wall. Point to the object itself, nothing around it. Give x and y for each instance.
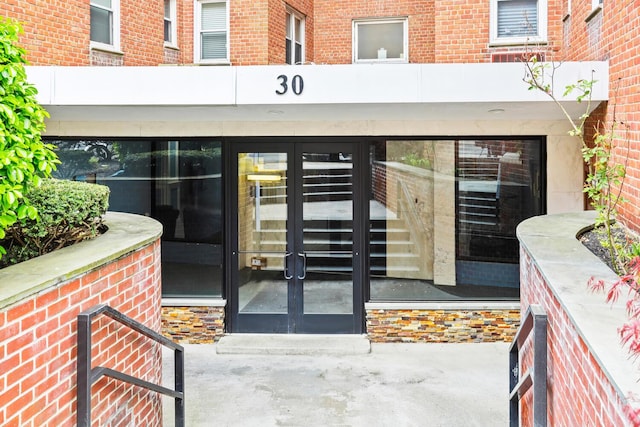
(333, 27)
(38, 347)
(614, 35)
(579, 393)
(142, 32)
(56, 32)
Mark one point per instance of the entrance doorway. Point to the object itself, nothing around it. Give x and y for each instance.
(295, 262)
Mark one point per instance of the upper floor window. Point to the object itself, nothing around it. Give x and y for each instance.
(382, 40)
(295, 37)
(105, 23)
(170, 22)
(518, 21)
(211, 38)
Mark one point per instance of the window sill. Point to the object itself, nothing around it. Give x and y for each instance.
(193, 302)
(171, 46)
(105, 48)
(593, 13)
(376, 61)
(519, 42)
(222, 63)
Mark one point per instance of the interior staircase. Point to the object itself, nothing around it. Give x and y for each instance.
(328, 243)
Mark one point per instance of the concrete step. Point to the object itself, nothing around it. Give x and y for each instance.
(293, 344)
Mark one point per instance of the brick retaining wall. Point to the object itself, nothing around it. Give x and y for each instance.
(589, 374)
(39, 303)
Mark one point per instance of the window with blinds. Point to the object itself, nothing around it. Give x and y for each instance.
(213, 31)
(101, 21)
(294, 38)
(517, 18)
(168, 21)
(518, 21)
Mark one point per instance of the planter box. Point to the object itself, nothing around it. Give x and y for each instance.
(39, 302)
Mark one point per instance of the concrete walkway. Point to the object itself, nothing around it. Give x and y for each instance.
(394, 385)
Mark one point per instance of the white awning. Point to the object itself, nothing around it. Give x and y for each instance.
(430, 92)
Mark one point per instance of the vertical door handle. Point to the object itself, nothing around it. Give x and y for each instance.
(304, 265)
(287, 276)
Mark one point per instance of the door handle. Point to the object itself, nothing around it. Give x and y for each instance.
(304, 265)
(287, 276)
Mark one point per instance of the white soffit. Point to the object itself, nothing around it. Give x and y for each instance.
(487, 91)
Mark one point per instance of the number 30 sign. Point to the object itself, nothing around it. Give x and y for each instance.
(297, 84)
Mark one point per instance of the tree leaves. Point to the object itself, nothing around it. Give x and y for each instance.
(24, 158)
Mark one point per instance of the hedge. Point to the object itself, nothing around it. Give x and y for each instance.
(69, 211)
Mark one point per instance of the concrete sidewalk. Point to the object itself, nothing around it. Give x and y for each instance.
(393, 385)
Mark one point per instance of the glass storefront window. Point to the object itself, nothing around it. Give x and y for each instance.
(178, 182)
(443, 215)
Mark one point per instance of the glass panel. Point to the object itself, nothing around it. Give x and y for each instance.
(214, 46)
(328, 233)
(517, 18)
(443, 217)
(298, 29)
(498, 186)
(101, 25)
(167, 9)
(106, 4)
(179, 183)
(262, 233)
(288, 52)
(298, 59)
(402, 217)
(214, 16)
(381, 40)
(167, 30)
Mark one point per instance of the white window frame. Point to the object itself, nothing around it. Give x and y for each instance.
(518, 40)
(173, 20)
(115, 28)
(292, 15)
(596, 7)
(405, 40)
(196, 33)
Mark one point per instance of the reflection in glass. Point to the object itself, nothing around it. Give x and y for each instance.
(328, 233)
(262, 232)
(443, 217)
(177, 182)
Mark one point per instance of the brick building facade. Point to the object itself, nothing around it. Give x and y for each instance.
(283, 99)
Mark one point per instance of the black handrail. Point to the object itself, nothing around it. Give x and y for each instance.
(535, 321)
(88, 375)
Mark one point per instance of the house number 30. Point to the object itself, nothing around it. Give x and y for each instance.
(297, 84)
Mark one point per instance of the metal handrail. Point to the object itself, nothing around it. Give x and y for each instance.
(535, 321)
(88, 375)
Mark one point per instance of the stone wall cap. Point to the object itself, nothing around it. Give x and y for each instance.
(444, 305)
(127, 233)
(567, 266)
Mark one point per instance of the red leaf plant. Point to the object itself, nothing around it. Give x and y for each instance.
(629, 332)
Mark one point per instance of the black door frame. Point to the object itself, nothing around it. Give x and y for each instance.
(296, 321)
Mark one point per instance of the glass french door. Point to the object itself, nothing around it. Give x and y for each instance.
(295, 253)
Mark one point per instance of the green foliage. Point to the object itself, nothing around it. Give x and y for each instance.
(70, 212)
(605, 176)
(417, 161)
(24, 158)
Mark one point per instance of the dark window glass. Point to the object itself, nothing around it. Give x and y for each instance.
(101, 25)
(179, 183)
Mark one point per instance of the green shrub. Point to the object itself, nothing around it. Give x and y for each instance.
(24, 158)
(69, 212)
